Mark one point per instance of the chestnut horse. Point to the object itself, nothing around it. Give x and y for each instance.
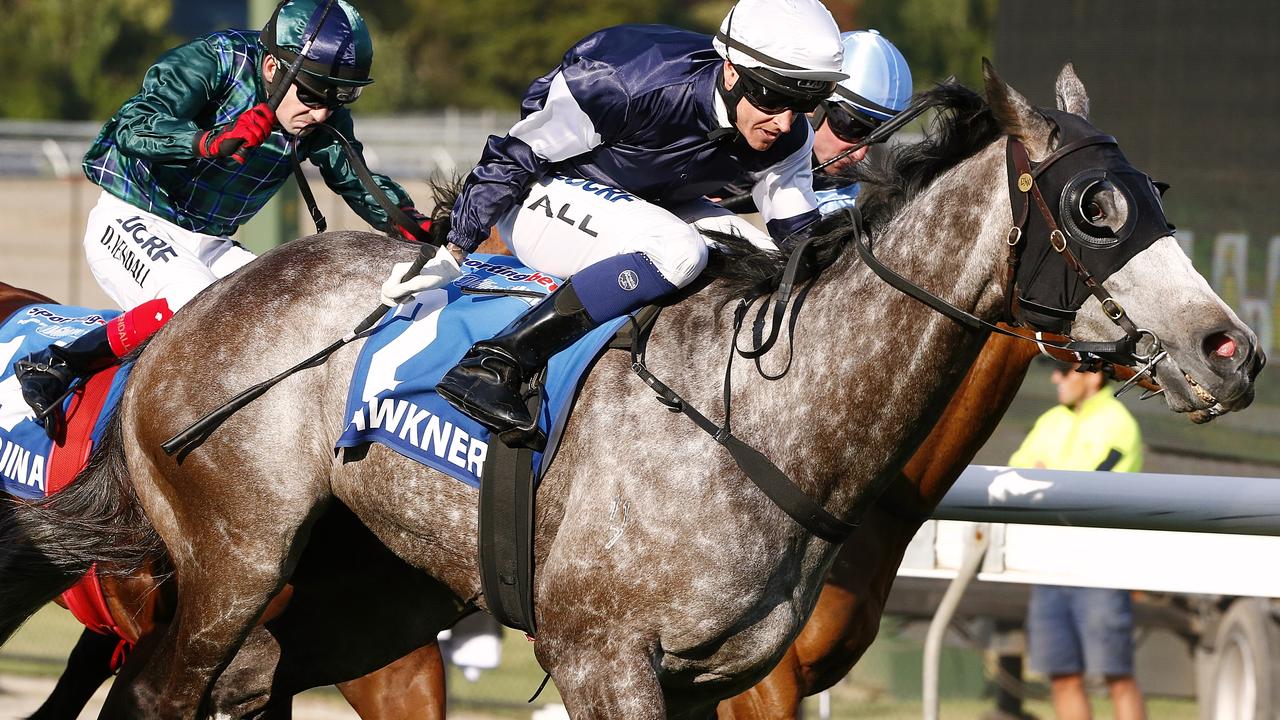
(847, 616)
(411, 688)
(697, 590)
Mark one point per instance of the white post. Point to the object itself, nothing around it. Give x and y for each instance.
(975, 550)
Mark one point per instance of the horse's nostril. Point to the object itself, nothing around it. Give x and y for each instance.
(1221, 345)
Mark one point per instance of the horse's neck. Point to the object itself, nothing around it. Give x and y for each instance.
(871, 366)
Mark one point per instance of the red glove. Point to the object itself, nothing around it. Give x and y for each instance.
(421, 220)
(247, 131)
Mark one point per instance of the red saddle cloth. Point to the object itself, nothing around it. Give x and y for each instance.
(85, 599)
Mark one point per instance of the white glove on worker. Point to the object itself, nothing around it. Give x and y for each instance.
(438, 272)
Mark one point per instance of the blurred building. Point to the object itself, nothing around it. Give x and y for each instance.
(1192, 91)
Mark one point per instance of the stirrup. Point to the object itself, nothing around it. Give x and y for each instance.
(56, 405)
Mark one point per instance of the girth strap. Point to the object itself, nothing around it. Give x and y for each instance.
(505, 530)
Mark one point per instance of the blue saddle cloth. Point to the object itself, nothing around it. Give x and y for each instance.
(392, 399)
(24, 447)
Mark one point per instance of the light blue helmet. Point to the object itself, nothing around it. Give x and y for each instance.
(879, 83)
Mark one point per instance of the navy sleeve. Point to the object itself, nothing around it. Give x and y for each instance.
(567, 113)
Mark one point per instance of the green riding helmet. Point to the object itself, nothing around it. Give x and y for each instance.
(338, 62)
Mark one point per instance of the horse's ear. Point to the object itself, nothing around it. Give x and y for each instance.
(1014, 114)
(1070, 93)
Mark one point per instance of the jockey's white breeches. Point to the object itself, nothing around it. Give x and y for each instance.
(566, 224)
(137, 256)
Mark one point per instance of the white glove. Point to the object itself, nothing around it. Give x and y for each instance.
(439, 271)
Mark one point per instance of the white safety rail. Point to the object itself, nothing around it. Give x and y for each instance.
(1140, 531)
(1136, 531)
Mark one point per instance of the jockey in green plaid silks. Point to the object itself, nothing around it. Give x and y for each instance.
(201, 148)
(146, 154)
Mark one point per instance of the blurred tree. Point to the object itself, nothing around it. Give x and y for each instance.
(77, 59)
(938, 37)
(484, 53)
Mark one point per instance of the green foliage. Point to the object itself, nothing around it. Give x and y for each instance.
(484, 53)
(77, 59)
(938, 37)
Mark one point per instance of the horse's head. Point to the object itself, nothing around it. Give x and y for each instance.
(1099, 260)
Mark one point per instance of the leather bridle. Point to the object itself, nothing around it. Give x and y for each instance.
(1125, 351)
(1140, 348)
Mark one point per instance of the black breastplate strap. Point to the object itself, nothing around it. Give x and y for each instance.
(772, 481)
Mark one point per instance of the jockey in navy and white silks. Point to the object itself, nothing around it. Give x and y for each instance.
(603, 179)
(878, 87)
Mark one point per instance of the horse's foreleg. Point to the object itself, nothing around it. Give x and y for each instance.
(777, 696)
(411, 688)
(605, 681)
(843, 624)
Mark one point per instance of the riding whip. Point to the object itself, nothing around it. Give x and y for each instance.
(191, 438)
(199, 431)
(888, 128)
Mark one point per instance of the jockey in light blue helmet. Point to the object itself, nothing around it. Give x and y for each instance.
(878, 87)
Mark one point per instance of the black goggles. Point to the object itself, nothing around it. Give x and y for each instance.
(847, 123)
(319, 96)
(775, 94)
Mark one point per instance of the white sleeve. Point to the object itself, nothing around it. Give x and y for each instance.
(561, 129)
(785, 190)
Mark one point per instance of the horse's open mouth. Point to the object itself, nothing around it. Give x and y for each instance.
(1212, 407)
(1185, 395)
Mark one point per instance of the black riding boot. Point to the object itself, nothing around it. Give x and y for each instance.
(485, 383)
(46, 375)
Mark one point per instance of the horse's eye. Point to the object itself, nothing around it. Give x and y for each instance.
(1103, 206)
(1093, 212)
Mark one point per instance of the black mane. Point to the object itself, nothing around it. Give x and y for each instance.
(962, 126)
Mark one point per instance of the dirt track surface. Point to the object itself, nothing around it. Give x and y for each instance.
(20, 696)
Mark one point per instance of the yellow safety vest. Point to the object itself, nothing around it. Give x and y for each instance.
(1100, 435)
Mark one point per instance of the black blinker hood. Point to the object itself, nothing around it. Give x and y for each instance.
(1050, 292)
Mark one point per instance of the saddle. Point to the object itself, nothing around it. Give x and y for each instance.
(31, 465)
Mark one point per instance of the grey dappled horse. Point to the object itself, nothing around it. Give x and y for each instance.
(665, 580)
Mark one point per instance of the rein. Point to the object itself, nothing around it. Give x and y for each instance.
(395, 214)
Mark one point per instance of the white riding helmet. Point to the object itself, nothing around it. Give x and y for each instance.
(794, 39)
(879, 83)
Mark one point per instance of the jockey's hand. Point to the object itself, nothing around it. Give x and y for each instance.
(420, 220)
(247, 131)
(438, 271)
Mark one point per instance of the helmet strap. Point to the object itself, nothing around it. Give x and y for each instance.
(730, 96)
(818, 116)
